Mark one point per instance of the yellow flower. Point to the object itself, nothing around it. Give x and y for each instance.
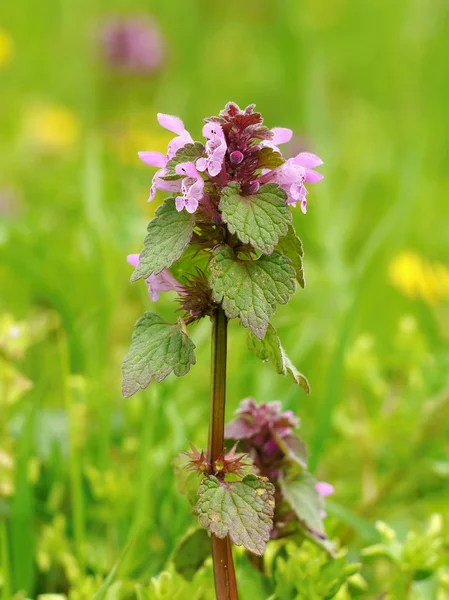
(420, 278)
(6, 49)
(51, 127)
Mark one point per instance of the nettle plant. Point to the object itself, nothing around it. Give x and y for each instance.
(225, 242)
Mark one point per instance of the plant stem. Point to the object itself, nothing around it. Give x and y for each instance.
(224, 574)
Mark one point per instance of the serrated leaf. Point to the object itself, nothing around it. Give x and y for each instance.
(191, 553)
(251, 289)
(269, 159)
(269, 349)
(241, 509)
(291, 246)
(300, 492)
(168, 236)
(259, 219)
(157, 349)
(188, 153)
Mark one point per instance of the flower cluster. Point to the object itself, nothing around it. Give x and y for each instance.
(266, 435)
(227, 462)
(238, 148)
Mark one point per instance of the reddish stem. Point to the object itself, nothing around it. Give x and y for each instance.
(224, 573)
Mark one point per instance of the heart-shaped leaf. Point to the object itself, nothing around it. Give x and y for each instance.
(157, 349)
(168, 236)
(241, 509)
(259, 219)
(251, 289)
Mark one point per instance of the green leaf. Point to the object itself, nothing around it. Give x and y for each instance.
(269, 159)
(168, 236)
(251, 289)
(269, 349)
(290, 245)
(188, 153)
(300, 492)
(157, 349)
(241, 509)
(191, 553)
(260, 219)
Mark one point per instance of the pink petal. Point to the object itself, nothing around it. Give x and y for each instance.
(179, 203)
(212, 129)
(187, 168)
(281, 135)
(307, 159)
(153, 159)
(324, 489)
(171, 123)
(214, 168)
(133, 259)
(312, 176)
(201, 164)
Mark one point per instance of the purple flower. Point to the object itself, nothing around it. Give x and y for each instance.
(192, 187)
(132, 44)
(292, 175)
(162, 282)
(215, 149)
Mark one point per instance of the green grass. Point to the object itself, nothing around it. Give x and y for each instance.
(363, 84)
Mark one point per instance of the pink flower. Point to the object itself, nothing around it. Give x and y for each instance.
(132, 44)
(157, 159)
(324, 489)
(162, 282)
(192, 187)
(293, 174)
(215, 149)
(175, 125)
(281, 135)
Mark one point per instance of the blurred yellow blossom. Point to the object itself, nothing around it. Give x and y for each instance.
(6, 48)
(51, 127)
(420, 278)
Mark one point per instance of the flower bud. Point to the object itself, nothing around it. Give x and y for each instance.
(253, 187)
(236, 157)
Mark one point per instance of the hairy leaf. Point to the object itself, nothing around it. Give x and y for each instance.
(168, 236)
(251, 289)
(188, 153)
(157, 349)
(269, 159)
(269, 349)
(260, 219)
(241, 509)
(300, 492)
(191, 553)
(291, 246)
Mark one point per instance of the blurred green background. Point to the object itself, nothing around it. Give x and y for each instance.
(362, 84)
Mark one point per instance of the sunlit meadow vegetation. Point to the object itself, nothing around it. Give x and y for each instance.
(89, 504)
